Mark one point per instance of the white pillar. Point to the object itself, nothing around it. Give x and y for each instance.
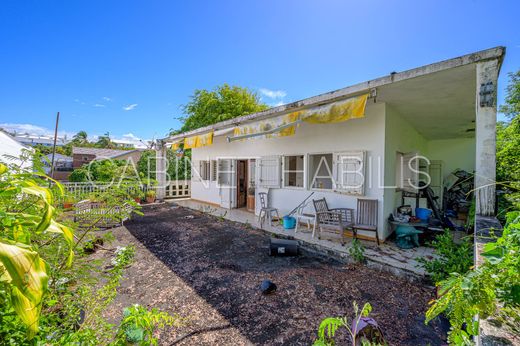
(161, 170)
(486, 117)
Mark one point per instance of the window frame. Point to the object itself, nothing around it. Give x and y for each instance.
(304, 171)
(338, 175)
(309, 177)
(204, 170)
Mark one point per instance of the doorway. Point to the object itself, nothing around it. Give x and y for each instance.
(242, 183)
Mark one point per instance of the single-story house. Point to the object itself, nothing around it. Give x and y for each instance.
(62, 166)
(82, 156)
(355, 142)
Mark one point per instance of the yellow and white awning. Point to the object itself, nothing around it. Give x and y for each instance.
(281, 126)
(198, 141)
(352, 108)
(285, 125)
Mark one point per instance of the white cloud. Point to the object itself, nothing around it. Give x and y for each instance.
(106, 98)
(273, 94)
(33, 130)
(43, 131)
(130, 107)
(99, 105)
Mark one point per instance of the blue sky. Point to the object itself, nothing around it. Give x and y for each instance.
(127, 66)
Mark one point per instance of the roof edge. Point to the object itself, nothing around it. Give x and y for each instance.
(471, 58)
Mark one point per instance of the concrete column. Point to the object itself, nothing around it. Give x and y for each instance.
(486, 117)
(161, 170)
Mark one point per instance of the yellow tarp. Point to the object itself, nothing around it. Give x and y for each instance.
(336, 112)
(198, 141)
(270, 125)
(176, 145)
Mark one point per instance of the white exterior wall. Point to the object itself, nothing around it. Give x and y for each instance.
(365, 134)
(11, 147)
(400, 137)
(454, 153)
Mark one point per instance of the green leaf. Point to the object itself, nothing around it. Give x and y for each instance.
(68, 235)
(31, 188)
(28, 279)
(3, 168)
(134, 334)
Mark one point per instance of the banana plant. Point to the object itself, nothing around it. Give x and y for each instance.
(26, 211)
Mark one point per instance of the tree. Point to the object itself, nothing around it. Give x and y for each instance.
(80, 138)
(225, 102)
(512, 106)
(105, 141)
(508, 147)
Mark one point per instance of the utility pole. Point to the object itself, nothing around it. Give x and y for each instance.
(54, 146)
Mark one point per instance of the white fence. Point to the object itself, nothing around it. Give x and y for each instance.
(176, 189)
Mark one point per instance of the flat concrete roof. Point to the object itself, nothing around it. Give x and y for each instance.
(353, 90)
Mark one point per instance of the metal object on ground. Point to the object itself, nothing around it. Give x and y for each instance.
(283, 247)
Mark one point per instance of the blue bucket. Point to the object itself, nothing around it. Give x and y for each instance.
(289, 222)
(423, 214)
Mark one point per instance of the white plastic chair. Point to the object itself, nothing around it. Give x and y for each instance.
(300, 215)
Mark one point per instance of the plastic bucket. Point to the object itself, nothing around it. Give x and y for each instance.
(423, 213)
(289, 222)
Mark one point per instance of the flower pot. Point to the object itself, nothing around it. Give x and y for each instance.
(67, 205)
(137, 199)
(150, 199)
(251, 203)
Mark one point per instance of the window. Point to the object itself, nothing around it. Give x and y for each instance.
(349, 172)
(320, 171)
(203, 170)
(407, 171)
(213, 164)
(293, 171)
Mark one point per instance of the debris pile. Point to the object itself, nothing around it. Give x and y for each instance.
(458, 193)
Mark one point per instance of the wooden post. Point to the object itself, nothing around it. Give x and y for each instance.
(161, 167)
(54, 145)
(486, 117)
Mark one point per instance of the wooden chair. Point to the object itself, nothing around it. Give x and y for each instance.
(366, 216)
(301, 215)
(266, 212)
(336, 220)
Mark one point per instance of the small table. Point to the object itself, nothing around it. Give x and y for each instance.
(407, 233)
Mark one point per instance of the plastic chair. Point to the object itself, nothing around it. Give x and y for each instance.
(266, 212)
(300, 215)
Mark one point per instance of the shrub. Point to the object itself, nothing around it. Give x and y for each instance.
(492, 289)
(357, 251)
(453, 257)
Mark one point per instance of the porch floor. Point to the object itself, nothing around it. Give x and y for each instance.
(387, 256)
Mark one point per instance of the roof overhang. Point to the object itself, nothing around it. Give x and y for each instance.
(496, 53)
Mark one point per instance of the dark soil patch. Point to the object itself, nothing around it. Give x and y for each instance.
(210, 270)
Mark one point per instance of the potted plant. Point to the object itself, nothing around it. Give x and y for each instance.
(251, 198)
(150, 196)
(68, 202)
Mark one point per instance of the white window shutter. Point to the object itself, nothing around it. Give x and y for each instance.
(225, 172)
(269, 171)
(349, 172)
(195, 170)
(410, 169)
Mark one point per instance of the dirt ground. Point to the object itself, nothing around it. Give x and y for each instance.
(209, 270)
